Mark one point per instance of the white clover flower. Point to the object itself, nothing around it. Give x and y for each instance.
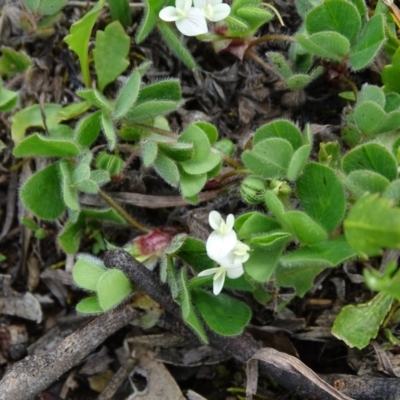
(224, 248)
(222, 241)
(231, 266)
(219, 276)
(189, 20)
(214, 10)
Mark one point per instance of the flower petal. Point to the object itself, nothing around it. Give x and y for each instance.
(235, 272)
(183, 5)
(220, 12)
(230, 221)
(215, 219)
(219, 280)
(200, 3)
(210, 271)
(169, 14)
(218, 246)
(195, 23)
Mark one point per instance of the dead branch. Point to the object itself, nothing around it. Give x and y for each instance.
(30, 376)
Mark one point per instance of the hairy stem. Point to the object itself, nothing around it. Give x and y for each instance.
(131, 221)
(270, 37)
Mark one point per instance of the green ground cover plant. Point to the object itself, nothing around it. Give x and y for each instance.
(309, 206)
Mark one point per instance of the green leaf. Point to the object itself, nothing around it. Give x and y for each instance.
(196, 136)
(251, 223)
(321, 195)
(155, 100)
(69, 192)
(298, 161)
(269, 158)
(110, 53)
(88, 129)
(8, 98)
(209, 129)
(89, 305)
(372, 93)
(263, 259)
(273, 204)
(368, 116)
(188, 313)
(94, 97)
(176, 150)
(42, 195)
(149, 153)
(167, 169)
(361, 181)
(191, 185)
(193, 252)
(72, 111)
(327, 44)
(369, 43)
(392, 102)
(299, 268)
(30, 117)
(12, 61)
(255, 17)
(194, 167)
(45, 7)
(392, 191)
(121, 11)
(223, 314)
(87, 271)
(373, 157)
(280, 128)
(387, 283)
(300, 278)
(298, 81)
(357, 325)
(280, 64)
(112, 287)
(42, 146)
(70, 236)
(151, 10)
(79, 37)
(373, 224)
(390, 74)
(325, 254)
(305, 228)
(128, 95)
(109, 130)
(351, 134)
(337, 16)
(100, 177)
(176, 45)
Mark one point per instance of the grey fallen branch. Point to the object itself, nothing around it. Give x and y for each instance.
(243, 347)
(28, 377)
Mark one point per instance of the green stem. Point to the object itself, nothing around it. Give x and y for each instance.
(123, 213)
(272, 36)
(275, 11)
(229, 174)
(352, 85)
(160, 131)
(231, 162)
(250, 53)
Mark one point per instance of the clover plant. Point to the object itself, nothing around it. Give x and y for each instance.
(315, 209)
